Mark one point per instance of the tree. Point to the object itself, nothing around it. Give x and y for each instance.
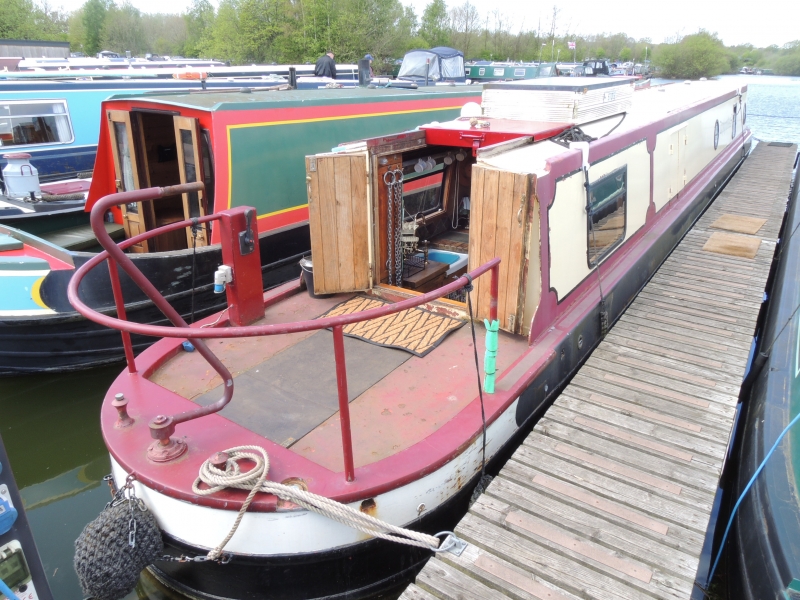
(123, 30)
(25, 20)
(199, 20)
(223, 42)
(465, 27)
(94, 17)
(625, 54)
(435, 26)
(699, 55)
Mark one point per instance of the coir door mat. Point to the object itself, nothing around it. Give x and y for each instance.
(733, 244)
(415, 330)
(739, 223)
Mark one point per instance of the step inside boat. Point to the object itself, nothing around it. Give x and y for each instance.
(369, 392)
(246, 147)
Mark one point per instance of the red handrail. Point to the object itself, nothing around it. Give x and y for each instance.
(162, 427)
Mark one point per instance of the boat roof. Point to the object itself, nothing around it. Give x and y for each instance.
(255, 99)
(659, 106)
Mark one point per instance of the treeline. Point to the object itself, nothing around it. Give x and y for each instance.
(299, 31)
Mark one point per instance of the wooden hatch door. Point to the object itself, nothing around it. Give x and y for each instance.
(500, 226)
(127, 173)
(339, 221)
(187, 138)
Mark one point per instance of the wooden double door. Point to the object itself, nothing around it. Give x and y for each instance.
(158, 150)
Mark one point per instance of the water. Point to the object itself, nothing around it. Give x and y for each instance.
(50, 423)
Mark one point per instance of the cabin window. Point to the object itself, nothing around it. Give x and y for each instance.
(422, 186)
(37, 122)
(606, 218)
(498, 72)
(208, 169)
(191, 172)
(481, 71)
(733, 123)
(124, 155)
(519, 72)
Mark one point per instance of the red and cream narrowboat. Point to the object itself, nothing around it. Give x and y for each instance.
(555, 202)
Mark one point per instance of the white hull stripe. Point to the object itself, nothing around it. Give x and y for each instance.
(301, 531)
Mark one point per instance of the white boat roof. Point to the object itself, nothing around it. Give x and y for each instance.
(649, 105)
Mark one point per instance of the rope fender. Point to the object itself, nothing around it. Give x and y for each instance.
(256, 481)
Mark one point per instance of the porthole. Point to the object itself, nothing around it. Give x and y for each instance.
(716, 135)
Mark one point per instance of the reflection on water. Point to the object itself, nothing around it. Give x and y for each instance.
(773, 106)
(51, 428)
(50, 423)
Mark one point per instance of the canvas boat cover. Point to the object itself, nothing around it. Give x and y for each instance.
(445, 64)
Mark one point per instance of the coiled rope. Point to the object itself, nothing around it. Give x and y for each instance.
(256, 481)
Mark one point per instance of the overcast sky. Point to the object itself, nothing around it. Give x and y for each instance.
(735, 21)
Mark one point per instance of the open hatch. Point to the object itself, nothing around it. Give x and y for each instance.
(405, 214)
(161, 149)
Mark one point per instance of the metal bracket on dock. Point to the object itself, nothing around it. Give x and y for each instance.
(451, 544)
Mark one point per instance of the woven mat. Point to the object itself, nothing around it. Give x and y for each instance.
(733, 244)
(739, 223)
(415, 330)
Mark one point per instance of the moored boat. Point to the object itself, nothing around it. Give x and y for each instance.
(246, 147)
(763, 556)
(54, 115)
(556, 236)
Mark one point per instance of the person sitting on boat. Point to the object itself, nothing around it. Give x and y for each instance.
(325, 66)
(370, 59)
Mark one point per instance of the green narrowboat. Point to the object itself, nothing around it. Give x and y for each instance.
(247, 147)
(504, 72)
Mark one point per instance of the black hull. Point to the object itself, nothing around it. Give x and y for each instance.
(763, 552)
(67, 342)
(371, 569)
(377, 568)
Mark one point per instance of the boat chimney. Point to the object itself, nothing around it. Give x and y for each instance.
(21, 179)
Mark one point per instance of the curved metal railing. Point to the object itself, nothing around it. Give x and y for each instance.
(162, 427)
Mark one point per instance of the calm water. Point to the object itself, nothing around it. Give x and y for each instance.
(50, 423)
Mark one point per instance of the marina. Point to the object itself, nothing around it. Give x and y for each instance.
(611, 494)
(44, 494)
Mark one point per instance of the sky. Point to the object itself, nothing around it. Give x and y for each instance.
(734, 21)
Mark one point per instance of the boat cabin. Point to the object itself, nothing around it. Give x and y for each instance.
(451, 196)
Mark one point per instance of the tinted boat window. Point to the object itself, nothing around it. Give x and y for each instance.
(191, 172)
(27, 123)
(606, 218)
(422, 187)
(208, 170)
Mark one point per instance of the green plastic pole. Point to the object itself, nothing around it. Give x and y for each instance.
(490, 359)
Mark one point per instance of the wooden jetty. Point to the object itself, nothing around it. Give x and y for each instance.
(611, 493)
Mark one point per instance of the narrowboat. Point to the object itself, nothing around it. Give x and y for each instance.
(247, 147)
(481, 73)
(54, 116)
(530, 224)
(763, 557)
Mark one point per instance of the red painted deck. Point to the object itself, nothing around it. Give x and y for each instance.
(400, 410)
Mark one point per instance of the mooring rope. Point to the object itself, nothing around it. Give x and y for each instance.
(256, 481)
